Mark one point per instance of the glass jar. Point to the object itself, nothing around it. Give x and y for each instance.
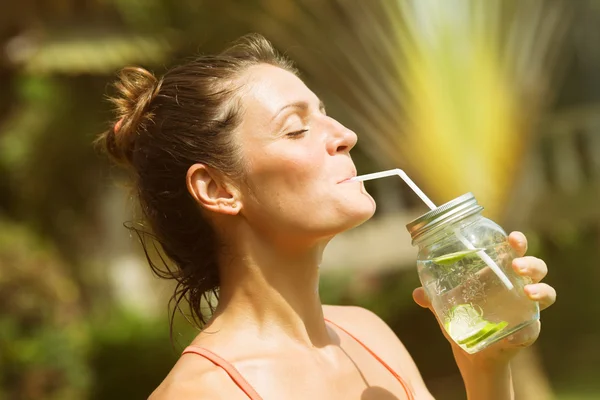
(465, 266)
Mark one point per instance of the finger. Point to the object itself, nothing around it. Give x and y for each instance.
(421, 298)
(543, 293)
(532, 267)
(518, 242)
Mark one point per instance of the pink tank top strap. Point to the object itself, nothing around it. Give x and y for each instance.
(233, 373)
(398, 377)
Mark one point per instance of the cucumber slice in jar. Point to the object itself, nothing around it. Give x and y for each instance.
(468, 328)
(451, 258)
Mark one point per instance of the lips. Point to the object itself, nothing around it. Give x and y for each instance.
(348, 178)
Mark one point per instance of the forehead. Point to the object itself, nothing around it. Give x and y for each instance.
(269, 88)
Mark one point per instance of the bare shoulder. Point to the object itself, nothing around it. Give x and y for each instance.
(370, 329)
(355, 316)
(194, 377)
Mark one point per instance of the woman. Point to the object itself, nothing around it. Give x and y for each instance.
(242, 178)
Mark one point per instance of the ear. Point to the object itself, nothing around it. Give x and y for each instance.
(211, 190)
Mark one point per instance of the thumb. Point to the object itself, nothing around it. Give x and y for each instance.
(421, 298)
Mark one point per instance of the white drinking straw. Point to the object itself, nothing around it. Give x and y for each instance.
(397, 171)
(402, 175)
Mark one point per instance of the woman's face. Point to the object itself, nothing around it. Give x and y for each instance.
(296, 160)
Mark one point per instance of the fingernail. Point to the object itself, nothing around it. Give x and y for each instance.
(521, 265)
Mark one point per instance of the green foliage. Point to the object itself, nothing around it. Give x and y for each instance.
(569, 340)
(28, 122)
(131, 355)
(43, 340)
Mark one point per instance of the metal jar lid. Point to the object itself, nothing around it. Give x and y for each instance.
(453, 210)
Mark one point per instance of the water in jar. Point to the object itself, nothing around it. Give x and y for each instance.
(475, 306)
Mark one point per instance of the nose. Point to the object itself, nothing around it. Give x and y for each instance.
(342, 139)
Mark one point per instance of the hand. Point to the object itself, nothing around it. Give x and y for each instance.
(501, 352)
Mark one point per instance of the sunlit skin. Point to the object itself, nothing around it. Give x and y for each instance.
(275, 223)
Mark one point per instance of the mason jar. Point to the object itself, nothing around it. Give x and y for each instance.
(465, 266)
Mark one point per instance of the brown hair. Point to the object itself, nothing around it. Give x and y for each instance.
(166, 125)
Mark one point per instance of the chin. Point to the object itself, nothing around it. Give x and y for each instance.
(360, 213)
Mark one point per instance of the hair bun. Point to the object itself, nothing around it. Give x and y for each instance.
(136, 88)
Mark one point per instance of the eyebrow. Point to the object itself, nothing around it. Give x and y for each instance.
(303, 105)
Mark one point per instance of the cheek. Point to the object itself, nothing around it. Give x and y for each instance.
(292, 169)
(285, 188)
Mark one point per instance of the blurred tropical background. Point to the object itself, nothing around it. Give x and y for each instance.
(498, 97)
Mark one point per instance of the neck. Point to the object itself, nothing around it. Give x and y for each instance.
(274, 291)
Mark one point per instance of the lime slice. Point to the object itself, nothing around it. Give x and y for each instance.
(490, 330)
(487, 329)
(462, 336)
(451, 258)
(464, 322)
(467, 327)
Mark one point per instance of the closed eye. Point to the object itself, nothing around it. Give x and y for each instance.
(297, 134)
